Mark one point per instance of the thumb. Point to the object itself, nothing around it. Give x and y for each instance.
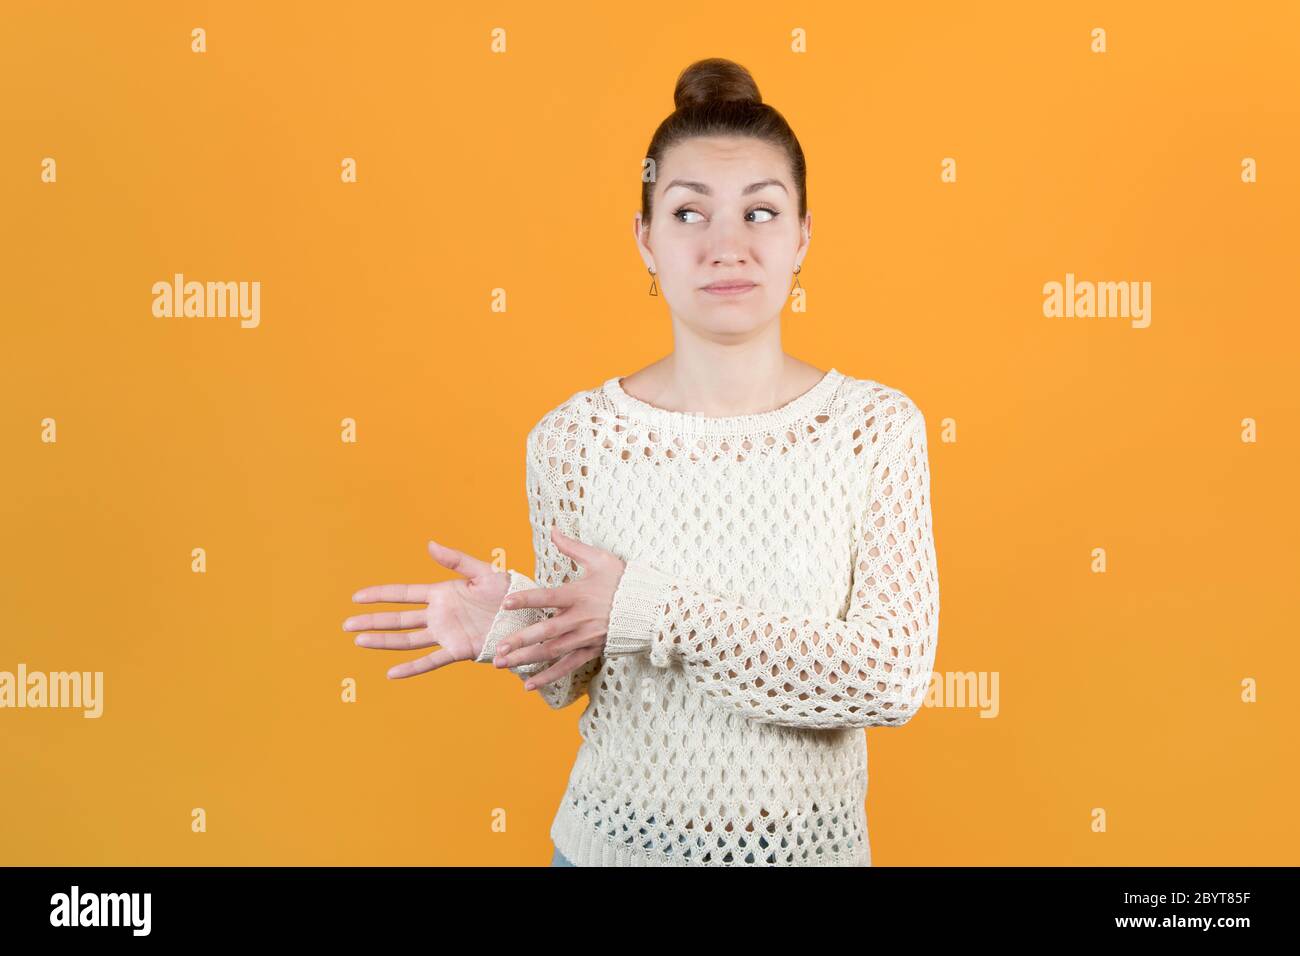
(458, 561)
(570, 546)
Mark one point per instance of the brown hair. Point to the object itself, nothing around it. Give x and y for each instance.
(717, 97)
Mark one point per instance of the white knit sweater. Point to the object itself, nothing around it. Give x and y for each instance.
(781, 594)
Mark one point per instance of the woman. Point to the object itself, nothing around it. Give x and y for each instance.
(734, 555)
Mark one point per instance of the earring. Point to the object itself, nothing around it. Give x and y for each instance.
(797, 270)
(653, 290)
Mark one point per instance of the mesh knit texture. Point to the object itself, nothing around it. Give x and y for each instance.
(780, 594)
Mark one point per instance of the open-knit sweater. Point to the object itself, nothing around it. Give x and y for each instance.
(780, 594)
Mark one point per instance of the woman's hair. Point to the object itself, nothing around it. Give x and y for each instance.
(717, 97)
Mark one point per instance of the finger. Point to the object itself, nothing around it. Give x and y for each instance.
(459, 561)
(387, 620)
(546, 650)
(546, 629)
(511, 654)
(405, 641)
(561, 596)
(585, 554)
(393, 594)
(421, 665)
(565, 665)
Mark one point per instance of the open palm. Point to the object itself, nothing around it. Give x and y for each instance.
(456, 616)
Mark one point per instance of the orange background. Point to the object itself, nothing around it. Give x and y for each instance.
(521, 171)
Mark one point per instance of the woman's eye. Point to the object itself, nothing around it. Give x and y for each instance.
(771, 214)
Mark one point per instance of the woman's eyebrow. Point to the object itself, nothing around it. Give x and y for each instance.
(701, 188)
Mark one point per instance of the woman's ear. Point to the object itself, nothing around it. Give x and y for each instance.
(639, 235)
(805, 237)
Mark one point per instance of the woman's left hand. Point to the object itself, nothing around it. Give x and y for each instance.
(576, 633)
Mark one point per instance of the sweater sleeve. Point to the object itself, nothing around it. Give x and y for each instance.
(870, 668)
(551, 501)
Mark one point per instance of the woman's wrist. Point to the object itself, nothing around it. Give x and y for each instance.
(637, 607)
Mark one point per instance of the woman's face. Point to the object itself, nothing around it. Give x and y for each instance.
(725, 211)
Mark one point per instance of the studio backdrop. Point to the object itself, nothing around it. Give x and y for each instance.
(287, 284)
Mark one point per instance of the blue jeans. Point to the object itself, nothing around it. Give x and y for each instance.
(560, 859)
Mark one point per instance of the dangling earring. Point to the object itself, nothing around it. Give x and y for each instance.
(653, 290)
(797, 270)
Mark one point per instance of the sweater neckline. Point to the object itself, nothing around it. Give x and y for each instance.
(695, 423)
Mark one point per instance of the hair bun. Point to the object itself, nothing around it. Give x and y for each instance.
(715, 80)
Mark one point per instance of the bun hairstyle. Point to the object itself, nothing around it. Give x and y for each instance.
(717, 97)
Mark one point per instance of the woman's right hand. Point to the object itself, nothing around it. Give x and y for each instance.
(456, 616)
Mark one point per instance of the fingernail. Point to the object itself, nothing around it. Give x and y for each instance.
(528, 687)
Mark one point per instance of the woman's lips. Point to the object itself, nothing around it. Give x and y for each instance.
(730, 288)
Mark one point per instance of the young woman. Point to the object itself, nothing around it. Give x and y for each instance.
(734, 556)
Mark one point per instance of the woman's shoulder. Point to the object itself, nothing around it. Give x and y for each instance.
(878, 402)
(565, 420)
